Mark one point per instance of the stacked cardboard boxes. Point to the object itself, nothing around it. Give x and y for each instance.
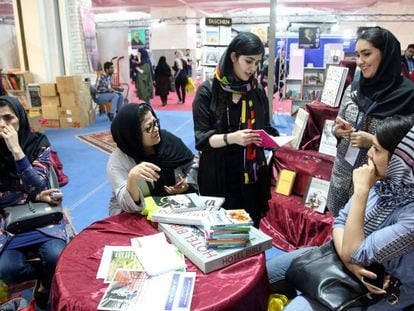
(50, 104)
(75, 101)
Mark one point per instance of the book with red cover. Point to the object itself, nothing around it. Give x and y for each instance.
(273, 142)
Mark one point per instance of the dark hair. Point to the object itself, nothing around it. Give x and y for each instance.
(144, 108)
(374, 36)
(392, 130)
(410, 46)
(107, 65)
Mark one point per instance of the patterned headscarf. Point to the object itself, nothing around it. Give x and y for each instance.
(397, 189)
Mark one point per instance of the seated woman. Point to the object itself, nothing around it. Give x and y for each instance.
(24, 176)
(377, 224)
(147, 160)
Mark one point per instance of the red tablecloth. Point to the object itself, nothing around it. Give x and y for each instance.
(241, 286)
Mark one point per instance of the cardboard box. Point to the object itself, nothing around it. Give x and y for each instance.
(69, 122)
(69, 84)
(69, 100)
(53, 101)
(36, 123)
(48, 89)
(32, 112)
(50, 112)
(74, 117)
(51, 123)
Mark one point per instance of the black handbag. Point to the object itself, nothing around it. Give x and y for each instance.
(321, 275)
(30, 216)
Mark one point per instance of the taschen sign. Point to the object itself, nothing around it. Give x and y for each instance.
(218, 21)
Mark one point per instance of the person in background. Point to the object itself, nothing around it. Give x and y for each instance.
(106, 92)
(408, 58)
(226, 111)
(145, 76)
(147, 160)
(189, 59)
(24, 176)
(180, 75)
(377, 223)
(162, 80)
(379, 92)
(281, 71)
(133, 63)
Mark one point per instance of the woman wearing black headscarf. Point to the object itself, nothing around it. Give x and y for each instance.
(147, 160)
(162, 80)
(145, 76)
(226, 110)
(380, 92)
(24, 174)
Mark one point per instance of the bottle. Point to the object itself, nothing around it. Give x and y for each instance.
(4, 291)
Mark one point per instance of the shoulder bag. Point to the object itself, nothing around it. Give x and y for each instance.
(321, 275)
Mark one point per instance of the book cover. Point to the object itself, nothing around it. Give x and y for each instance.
(316, 194)
(223, 219)
(285, 182)
(334, 85)
(177, 203)
(190, 240)
(301, 120)
(273, 142)
(328, 140)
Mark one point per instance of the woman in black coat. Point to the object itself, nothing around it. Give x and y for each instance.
(162, 80)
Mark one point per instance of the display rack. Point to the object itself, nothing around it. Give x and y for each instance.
(15, 83)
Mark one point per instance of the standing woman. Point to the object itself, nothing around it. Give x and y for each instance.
(380, 92)
(225, 111)
(24, 177)
(145, 76)
(180, 75)
(162, 80)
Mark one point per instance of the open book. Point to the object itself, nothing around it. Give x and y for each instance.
(273, 141)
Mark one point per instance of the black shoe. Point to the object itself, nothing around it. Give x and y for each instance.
(110, 116)
(41, 298)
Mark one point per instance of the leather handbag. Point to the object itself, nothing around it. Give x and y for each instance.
(30, 216)
(321, 275)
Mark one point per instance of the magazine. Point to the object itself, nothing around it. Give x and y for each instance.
(273, 142)
(136, 290)
(117, 257)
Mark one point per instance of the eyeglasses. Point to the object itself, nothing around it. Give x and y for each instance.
(151, 127)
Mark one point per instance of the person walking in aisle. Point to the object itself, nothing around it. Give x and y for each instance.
(105, 92)
(189, 59)
(379, 92)
(226, 110)
(145, 76)
(180, 75)
(162, 80)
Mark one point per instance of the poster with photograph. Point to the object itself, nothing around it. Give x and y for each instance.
(139, 37)
(316, 194)
(212, 35)
(309, 37)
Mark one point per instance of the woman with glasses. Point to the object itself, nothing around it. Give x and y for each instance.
(147, 160)
(226, 110)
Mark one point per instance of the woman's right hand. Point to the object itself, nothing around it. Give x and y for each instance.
(244, 137)
(360, 272)
(342, 132)
(145, 171)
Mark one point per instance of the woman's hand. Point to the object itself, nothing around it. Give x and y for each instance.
(180, 187)
(244, 137)
(11, 138)
(364, 177)
(342, 131)
(145, 171)
(46, 196)
(361, 139)
(360, 272)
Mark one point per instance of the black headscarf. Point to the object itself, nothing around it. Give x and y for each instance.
(393, 93)
(169, 154)
(31, 143)
(162, 67)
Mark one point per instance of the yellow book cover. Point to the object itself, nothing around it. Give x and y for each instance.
(285, 182)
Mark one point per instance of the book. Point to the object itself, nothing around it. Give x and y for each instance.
(177, 203)
(117, 257)
(273, 142)
(328, 140)
(136, 290)
(227, 219)
(334, 85)
(190, 240)
(316, 194)
(285, 182)
(299, 127)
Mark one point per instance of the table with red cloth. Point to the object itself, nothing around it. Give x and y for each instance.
(241, 286)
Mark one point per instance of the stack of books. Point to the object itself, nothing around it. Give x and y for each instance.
(227, 228)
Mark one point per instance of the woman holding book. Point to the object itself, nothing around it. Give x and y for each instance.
(379, 92)
(226, 111)
(147, 160)
(377, 224)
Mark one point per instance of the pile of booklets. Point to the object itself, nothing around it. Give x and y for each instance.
(227, 228)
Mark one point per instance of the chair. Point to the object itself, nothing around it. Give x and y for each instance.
(103, 107)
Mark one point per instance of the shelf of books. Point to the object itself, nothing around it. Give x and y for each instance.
(313, 79)
(15, 83)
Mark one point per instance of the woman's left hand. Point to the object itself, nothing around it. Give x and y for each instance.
(361, 139)
(360, 272)
(177, 188)
(46, 196)
(364, 177)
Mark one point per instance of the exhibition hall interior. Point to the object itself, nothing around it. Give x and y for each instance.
(193, 145)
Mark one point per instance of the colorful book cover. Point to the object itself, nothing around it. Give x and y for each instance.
(334, 85)
(316, 194)
(190, 240)
(177, 203)
(273, 142)
(285, 182)
(228, 219)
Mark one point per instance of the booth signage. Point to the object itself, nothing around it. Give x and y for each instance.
(218, 21)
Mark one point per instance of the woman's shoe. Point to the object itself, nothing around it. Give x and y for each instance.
(180, 102)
